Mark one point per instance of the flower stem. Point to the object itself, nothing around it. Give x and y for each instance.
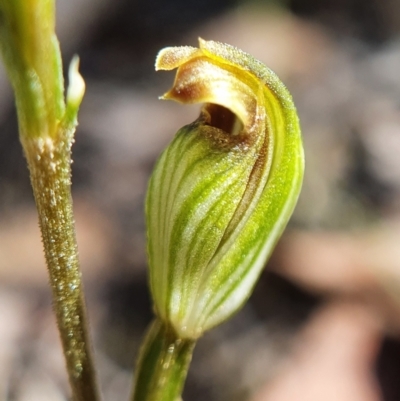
(163, 364)
(47, 121)
(49, 165)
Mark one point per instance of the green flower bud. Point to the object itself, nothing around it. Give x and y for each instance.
(223, 191)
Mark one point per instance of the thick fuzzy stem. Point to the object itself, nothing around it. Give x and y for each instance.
(49, 166)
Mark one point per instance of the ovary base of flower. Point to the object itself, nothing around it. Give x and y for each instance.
(162, 365)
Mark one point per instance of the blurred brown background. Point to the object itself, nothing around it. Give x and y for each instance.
(324, 322)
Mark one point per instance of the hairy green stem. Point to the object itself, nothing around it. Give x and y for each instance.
(47, 121)
(163, 364)
(49, 165)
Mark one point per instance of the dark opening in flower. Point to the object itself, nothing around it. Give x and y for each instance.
(224, 119)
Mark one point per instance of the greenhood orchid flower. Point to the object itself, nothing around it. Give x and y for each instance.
(223, 191)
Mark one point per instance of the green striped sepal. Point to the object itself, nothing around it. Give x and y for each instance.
(224, 189)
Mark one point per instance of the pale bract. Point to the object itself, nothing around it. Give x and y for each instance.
(223, 191)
